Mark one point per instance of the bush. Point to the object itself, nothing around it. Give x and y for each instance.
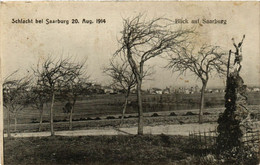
(202, 160)
(189, 114)
(34, 120)
(165, 139)
(97, 118)
(110, 117)
(206, 113)
(130, 116)
(100, 150)
(89, 118)
(172, 114)
(155, 115)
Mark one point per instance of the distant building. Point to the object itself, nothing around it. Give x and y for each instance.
(133, 91)
(158, 92)
(108, 90)
(256, 90)
(155, 91)
(166, 91)
(187, 91)
(208, 91)
(196, 89)
(216, 91)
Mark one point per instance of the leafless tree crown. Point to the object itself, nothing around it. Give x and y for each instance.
(142, 40)
(206, 61)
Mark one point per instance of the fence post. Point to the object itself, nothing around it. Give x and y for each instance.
(205, 139)
(200, 143)
(210, 141)
(258, 141)
(215, 141)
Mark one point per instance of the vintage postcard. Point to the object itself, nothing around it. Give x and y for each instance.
(130, 82)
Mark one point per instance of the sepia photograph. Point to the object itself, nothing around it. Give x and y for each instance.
(111, 83)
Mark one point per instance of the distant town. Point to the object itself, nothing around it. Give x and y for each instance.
(105, 89)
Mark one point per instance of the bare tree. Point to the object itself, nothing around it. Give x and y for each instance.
(54, 76)
(15, 94)
(203, 64)
(38, 97)
(142, 40)
(74, 87)
(123, 78)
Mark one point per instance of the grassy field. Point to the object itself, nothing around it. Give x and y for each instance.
(151, 119)
(105, 150)
(104, 111)
(104, 105)
(97, 150)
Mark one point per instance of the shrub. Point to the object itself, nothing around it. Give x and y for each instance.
(155, 115)
(173, 114)
(97, 118)
(206, 113)
(89, 118)
(165, 139)
(202, 160)
(110, 117)
(130, 116)
(189, 114)
(34, 120)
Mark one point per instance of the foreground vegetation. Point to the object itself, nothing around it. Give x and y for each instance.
(95, 150)
(147, 149)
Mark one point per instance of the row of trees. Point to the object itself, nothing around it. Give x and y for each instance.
(63, 77)
(141, 40)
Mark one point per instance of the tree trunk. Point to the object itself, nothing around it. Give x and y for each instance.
(138, 76)
(71, 113)
(140, 108)
(15, 122)
(125, 105)
(204, 85)
(8, 123)
(41, 116)
(51, 114)
(124, 109)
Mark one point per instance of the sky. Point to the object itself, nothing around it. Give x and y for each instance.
(24, 45)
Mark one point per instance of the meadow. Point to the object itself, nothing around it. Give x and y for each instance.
(99, 150)
(103, 111)
(96, 111)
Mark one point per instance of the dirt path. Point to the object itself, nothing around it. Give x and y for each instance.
(154, 130)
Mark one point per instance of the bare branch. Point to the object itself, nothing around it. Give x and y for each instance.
(207, 60)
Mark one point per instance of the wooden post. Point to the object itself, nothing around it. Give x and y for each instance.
(215, 136)
(258, 141)
(205, 139)
(200, 142)
(210, 139)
